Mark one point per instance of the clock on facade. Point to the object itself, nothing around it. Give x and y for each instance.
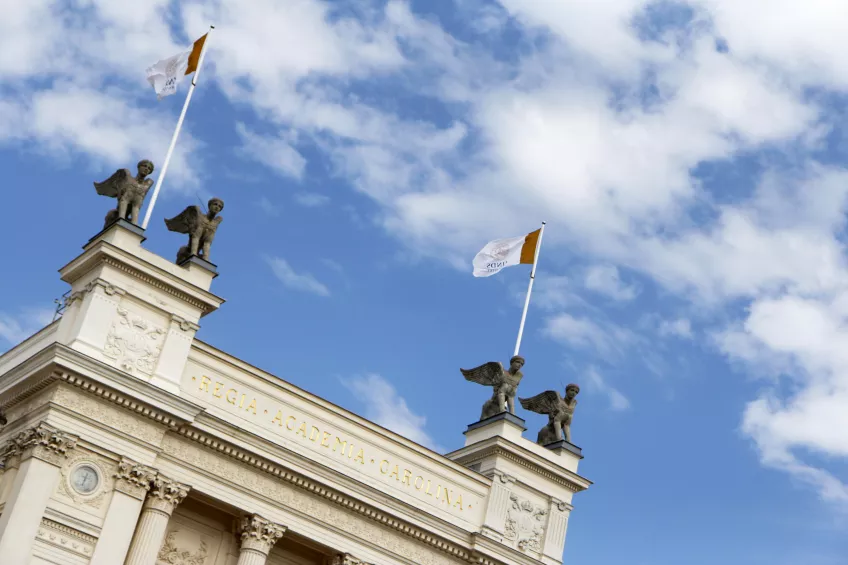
(85, 479)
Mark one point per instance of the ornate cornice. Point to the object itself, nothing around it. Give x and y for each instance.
(498, 451)
(157, 283)
(338, 498)
(258, 534)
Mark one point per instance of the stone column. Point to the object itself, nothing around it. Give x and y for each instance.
(163, 497)
(555, 532)
(42, 450)
(258, 536)
(131, 486)
(497, 507)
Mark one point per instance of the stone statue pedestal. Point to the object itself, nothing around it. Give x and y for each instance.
(532, 487)
(562, 444)
(132, 309)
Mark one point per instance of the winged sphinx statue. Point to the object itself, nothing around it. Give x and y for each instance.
(560, 411)
(504, 383)
(129, 190)
(200, 227)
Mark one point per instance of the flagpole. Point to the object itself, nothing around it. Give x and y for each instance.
(529, 289)
(176, 131)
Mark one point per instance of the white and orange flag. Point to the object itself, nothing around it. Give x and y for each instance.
(501, 253)
(165, 75)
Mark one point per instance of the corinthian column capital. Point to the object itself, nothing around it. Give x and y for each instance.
(134, 479)
(42, 442)
(165, 494)
(259, 534)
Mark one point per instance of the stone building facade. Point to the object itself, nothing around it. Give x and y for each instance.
(129, 441)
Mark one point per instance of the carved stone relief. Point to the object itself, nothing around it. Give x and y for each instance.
(69, 539)
(175, 552)
(105, 481)
(525, 524)
(134, 343)
(109, 415)
(332, 515)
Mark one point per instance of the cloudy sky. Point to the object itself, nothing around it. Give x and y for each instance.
(687, 156)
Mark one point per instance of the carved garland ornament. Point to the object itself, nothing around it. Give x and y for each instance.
(134, 343)
(173, 555)
(525, 524)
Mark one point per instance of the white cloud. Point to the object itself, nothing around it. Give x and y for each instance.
(604, 279)
(268, 207)
(584, 333)
(386, 407)
(276, 153)
(15, 329)
(596, 383)
(593, 129)
(311, 199)
(680, 327)
(303, 282)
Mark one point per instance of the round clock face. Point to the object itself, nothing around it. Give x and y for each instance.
(85, 479)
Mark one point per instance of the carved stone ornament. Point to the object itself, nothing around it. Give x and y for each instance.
(134, 343)
(525, 524)
(200, 227)
(504, 383)
(133, 479)
(165, 494)
(174, 555)
(129, 192)
(259, 534)
(85, 479)
(347, 559)
(44, 442)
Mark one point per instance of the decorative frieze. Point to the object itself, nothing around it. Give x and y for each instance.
(347, 559)
(66, 538)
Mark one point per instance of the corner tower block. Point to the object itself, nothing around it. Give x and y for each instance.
(532, 486)
(133, 309)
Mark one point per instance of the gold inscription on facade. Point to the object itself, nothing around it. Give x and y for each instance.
(353, 454)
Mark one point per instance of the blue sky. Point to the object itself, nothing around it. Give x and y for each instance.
(688, 157)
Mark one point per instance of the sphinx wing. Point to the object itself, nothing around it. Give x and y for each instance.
(487, 374)
(186, 221)
(547, 402)
(109, 187)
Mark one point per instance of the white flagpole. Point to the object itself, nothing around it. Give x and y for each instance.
(176, 131)
(529, 289)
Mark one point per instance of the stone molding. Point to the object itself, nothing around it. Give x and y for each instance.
(65, 537)
(347, 559)
(497, 451)
(134, 479)
(42, 441)
(165, 494)
(157, 283)
(183, 324)
(258, 534)
(107, 288)
(281, 480)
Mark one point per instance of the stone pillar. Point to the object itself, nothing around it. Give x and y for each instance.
(42, 450)
(163, 497)
(258, 536)
(497, 507)
(555, 532)
(131, 486)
